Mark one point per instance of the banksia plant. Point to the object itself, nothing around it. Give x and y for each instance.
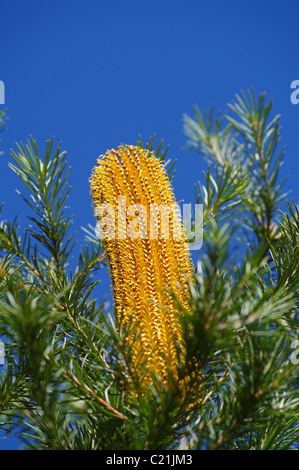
(149, 259)
(220, 373)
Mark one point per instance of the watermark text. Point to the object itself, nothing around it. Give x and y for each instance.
(295, 94)
(2, 92)
(157, 221)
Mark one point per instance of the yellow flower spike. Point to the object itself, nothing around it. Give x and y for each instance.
(147, 256)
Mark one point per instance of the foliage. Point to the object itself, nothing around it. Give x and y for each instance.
(64, 383)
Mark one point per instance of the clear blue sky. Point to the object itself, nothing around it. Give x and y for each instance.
(96, 73)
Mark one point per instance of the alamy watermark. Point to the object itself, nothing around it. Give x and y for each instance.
(2, 92)
(295, 94)
(2, 353)
(295, 354)
(158, 221)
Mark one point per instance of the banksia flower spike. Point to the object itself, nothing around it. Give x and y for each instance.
(148, 257)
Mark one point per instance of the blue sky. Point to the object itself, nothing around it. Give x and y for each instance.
(95, 74)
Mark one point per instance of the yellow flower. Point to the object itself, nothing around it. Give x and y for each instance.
(148, 257)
